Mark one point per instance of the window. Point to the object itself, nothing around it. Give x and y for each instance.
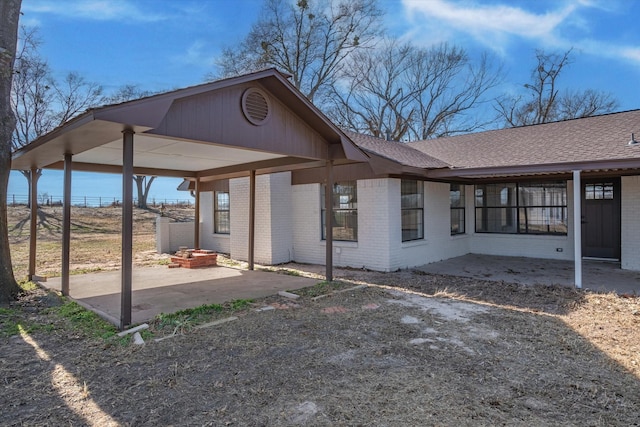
(345, 211)
(599, 191)
(412, 209)
(456, 199)
(523, 208)
(221, 223)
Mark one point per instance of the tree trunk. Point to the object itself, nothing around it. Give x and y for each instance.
(143, 185)
(9, 15)
(27, 175)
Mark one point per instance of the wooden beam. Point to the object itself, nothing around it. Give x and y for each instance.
(196, 225)
(272, 164)
(252, 217)
(33, 226)
(93, 167)
(328, 219)
(577, 228)
(127, 228)
(66, 224)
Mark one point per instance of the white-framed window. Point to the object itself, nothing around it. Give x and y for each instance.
(221, 218)
(412, 209)
(345, 211)
(456, 201)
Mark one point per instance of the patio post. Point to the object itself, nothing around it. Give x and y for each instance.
(127, 227)
(66, 224)
(577, 228)
(328, 219)
(33, 226)
(252, 217)
(196, 231)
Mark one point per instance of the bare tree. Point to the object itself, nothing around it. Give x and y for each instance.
(9, 15)
(406, 93)
(41, 102)
(543, 102)
(125, 93)
(309, 39)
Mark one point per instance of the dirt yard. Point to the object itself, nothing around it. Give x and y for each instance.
(407, 349)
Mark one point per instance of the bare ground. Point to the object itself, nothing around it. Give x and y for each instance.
(408, 349)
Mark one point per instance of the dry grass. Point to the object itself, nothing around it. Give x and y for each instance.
(409, 349)
(95, 238)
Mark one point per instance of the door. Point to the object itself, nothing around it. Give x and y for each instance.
(601, 218)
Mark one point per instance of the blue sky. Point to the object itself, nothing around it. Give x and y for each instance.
(167, 44)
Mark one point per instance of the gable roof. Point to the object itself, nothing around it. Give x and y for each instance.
(397, 151)
(598, 141)
(170, 147)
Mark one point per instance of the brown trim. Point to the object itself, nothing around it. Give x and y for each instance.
(550, 168)
(196, 219)
(210, 174)
(252, 217)
(66, 224)
(328, 206)
(33, 226)
(127, 228)
(95, 167)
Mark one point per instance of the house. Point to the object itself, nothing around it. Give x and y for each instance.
(501, 192)
(271, 173)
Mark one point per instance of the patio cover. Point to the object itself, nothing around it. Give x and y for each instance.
(242, 126)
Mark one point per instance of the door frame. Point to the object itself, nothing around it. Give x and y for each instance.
(617, 217)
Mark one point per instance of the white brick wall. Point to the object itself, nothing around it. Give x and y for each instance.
(171, 235)
(273, 238)
(208, 238)
(630, 224)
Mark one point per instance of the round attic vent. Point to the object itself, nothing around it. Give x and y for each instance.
(256, 106)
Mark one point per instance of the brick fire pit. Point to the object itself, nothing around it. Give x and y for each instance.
(198, 258)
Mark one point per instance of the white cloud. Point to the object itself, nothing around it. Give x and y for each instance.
(197, 55)
(492, 25)
(99, 10)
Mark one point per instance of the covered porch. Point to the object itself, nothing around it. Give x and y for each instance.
(158, 290)
(239, 127)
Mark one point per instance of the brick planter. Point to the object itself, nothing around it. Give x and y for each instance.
(199, 258)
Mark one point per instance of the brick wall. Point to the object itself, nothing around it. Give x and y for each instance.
(208, 238)
(629, 223)
(273, 233)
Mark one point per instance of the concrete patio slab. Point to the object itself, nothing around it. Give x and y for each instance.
(598, 276)
(162, 290)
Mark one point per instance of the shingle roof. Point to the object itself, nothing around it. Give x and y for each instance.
(397, 151)
(588, 139)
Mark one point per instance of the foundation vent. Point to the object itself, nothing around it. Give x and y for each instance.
(256, 106)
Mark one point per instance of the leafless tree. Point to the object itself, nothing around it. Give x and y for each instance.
(309, 39)
(9, 15)
(543, 102)
(40, 102)
(404, 92)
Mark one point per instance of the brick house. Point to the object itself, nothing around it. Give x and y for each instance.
(271, 173)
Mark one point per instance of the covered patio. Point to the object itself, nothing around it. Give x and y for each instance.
(158, 290)
(598, 276)
(238, 127)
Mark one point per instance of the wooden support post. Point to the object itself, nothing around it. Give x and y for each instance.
(196, 231)
(252, 217)
(127, 228)
(328, 219)
(33, 226)
(66, 224)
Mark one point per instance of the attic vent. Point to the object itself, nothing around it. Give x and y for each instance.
(256, 106)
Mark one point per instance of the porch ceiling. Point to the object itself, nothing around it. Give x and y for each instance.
(172, 154)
